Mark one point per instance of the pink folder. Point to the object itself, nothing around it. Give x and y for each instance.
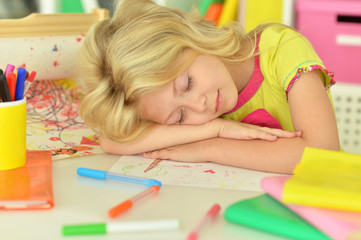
(335, 223)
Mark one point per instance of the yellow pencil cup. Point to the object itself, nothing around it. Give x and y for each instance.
(12, 134)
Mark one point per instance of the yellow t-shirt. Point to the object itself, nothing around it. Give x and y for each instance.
(284, 53)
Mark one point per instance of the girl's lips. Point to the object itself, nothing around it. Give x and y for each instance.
(219, 101)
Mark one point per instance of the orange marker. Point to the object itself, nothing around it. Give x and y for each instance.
(214, 12)
(127, 204)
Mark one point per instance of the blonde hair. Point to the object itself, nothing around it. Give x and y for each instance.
(136, 52)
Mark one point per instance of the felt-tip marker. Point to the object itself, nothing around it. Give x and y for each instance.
(209, 217)
(4, 89)
(121, 227)
(104, 175)
(9, 68)
(12, 85)
(20, 82)
(127, 204)
(29, 81)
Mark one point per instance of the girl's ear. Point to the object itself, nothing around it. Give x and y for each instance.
(128, 10)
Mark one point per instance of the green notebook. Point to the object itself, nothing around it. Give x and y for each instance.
(267, 214)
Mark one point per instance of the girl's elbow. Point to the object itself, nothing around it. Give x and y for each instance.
(332, 143)
(328, 144)
(105, 145)
(334, 146)
(111, 147)
(105, 148)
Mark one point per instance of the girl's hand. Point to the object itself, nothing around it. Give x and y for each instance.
(190, 152)
(238, 130)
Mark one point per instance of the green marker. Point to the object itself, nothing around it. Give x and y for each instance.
(204, 5)
(121, 227)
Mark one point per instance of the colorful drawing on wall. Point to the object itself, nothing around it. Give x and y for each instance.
(209, 175)
(53, 120)
(52, 57)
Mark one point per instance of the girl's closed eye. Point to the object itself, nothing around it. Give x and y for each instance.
(188, 88)
(189, 84)
(181, 116)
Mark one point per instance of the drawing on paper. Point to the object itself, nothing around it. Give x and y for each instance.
(191, 174)
(53, 120)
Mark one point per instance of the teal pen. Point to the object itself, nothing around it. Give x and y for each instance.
(104, 175)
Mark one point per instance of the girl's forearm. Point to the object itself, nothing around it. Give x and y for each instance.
(163, 136)
(280, 156)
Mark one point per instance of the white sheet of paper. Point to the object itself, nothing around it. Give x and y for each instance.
(210, 175)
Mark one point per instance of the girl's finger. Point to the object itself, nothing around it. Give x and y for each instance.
(282, 133)
(259, 134)
(161, 154)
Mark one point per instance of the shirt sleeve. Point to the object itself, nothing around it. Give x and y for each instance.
(285, 53)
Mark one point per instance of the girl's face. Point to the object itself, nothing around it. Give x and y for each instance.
(204, 91)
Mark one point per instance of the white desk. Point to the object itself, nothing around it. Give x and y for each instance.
(81, 200)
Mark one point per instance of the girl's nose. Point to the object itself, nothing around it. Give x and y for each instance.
(197, 103)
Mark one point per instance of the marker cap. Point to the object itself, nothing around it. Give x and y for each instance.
(93, 173)
(124, 206)
(152, 182)
(99, 228)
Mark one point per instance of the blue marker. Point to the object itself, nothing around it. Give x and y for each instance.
(104, 175)
(20, 83)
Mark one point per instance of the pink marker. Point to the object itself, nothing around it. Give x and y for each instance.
(210, 216)
(9, 68)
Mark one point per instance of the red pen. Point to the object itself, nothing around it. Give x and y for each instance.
(11, 78)
(210, 216)
(29, 81)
